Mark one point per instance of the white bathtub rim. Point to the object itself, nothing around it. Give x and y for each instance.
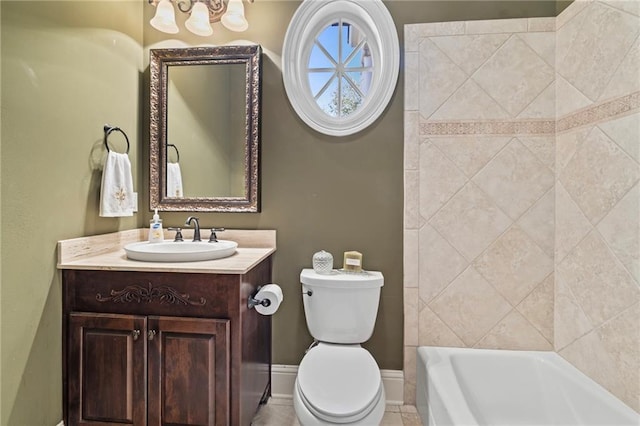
(456, 406)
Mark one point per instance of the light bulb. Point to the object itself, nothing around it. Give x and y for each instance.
(198, 23)
(165, 18)
(234, 18)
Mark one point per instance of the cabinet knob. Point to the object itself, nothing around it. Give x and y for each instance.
(151, 334)
(135, 334)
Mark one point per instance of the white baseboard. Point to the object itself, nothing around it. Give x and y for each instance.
(283, 378)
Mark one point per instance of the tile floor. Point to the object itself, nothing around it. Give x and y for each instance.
(279, 412)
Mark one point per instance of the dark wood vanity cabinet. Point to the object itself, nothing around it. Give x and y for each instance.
(164, 348)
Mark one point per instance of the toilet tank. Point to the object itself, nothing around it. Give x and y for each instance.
(341, 307)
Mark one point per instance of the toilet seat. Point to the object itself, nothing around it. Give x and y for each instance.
(339, 383)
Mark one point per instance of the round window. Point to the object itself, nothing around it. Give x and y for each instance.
(340, 63)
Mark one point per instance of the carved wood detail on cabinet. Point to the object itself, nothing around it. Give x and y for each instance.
(138, 294)
(156, 348)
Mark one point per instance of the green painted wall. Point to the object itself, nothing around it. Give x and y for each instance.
(69, 67)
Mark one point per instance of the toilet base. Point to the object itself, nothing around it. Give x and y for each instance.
(306, 418)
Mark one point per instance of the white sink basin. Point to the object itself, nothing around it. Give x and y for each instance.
(183, 251)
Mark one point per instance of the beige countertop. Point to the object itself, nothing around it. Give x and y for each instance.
(106, 252)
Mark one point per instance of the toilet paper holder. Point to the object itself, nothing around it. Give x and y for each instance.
(252, 301)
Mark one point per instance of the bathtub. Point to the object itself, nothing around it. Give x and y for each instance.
(458, 386)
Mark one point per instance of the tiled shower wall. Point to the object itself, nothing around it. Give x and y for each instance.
(597, 298)
(484, 187)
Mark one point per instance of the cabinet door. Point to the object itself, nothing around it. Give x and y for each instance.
(188, 371)
(106, 369)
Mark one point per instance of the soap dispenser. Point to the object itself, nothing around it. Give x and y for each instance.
(156, 235)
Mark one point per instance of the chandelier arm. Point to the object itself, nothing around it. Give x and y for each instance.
(185, 5)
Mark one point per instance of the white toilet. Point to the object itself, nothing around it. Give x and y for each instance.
(339, 381)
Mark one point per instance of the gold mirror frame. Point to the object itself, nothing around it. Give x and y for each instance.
(160, 61)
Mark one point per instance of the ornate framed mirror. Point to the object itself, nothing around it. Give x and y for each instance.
(205, 129)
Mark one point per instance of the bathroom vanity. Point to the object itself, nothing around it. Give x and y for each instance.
(148, 343)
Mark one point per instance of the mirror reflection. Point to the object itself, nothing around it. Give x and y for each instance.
(206, 127)
(205, 116)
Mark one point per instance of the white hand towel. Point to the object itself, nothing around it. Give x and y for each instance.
(174, 180)
(116, 193)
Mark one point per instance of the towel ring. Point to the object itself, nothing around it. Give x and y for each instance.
(108, 130)
(177, 152)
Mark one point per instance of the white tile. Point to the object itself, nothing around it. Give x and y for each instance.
(569, 320)
(621, 230)
(543, 147)
(538, 307)
(414, 33)
(542, 24)
(571, 225)
(439, 78)
(515, 179)
(412, 218)
(411, 140)
(470, 221)
(626, 79)
(543, 106)
(411, 81)
(471, 153)
(598, 175)
(470, 102)
(514, 332)
(567, 144)
(514, 265)
(470, 306)
(620, 338)
(598, 48)
(571, 12)
(440, 263)
(523, 76)
(411, 299)
(568, 98)
(600, 284)
(411, 37)
(630, 6)
(440, 179)
(543, 43)
(497, 26)
(539, 222)
(434, 332)
(411, 258)
(568, 25)
(469, 52)
(625, 131)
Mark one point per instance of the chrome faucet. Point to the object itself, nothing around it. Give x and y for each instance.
(196, 227)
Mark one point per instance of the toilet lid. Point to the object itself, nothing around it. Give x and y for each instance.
(339, 382)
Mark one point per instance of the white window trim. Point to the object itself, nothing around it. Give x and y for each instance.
(372, 18)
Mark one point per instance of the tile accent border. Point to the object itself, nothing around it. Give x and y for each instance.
(590, 115)
(464, 128)
(603, 111)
